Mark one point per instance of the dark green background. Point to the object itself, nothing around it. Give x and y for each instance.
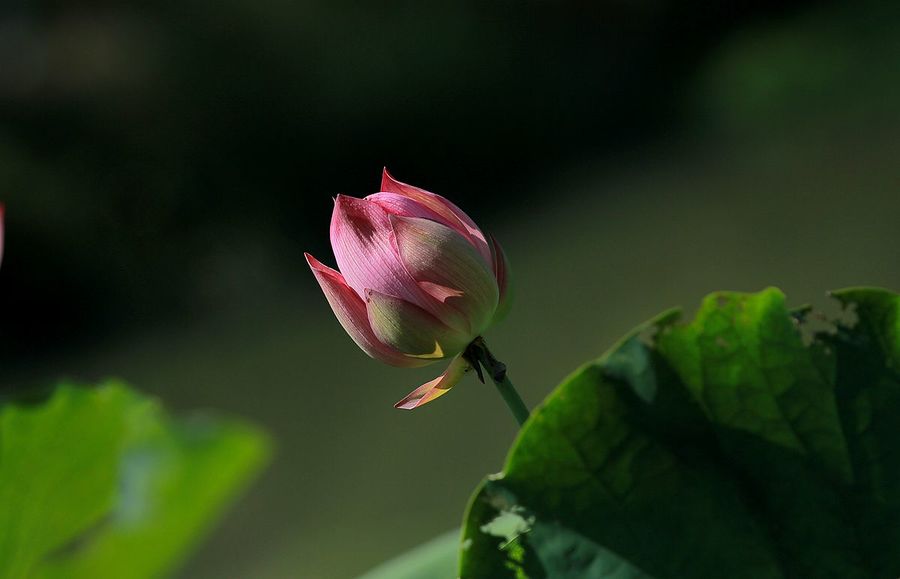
(164, 166)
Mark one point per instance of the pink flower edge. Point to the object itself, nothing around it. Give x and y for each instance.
(436, 388)
(353, 315)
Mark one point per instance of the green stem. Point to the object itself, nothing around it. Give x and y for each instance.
(513, 400)
(478, 353)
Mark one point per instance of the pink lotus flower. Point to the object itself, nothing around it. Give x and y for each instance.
(418, 280)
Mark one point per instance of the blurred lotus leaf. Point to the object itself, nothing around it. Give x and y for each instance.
(98, 482)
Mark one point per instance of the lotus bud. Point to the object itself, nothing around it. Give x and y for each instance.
(417, 280)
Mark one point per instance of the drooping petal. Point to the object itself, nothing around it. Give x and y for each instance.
(437, 387)
(448, 268)
(409, 329)
(451, 215)
(350, 310)
(501, 272)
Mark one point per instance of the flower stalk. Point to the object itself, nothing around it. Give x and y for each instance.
(478, 355)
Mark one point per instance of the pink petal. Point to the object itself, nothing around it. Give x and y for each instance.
(437, 387)
(501, 271)
(362, 237)
(407, 328)
(451, 215)
(448, 268)
(351, 313)
(362, 240)
(397, 204)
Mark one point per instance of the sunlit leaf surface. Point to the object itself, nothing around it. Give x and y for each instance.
(745, 444)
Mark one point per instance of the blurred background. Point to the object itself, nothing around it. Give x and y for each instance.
(164, 166)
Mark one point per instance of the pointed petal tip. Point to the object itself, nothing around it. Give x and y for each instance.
(319, 269)
(407, 404)
(422, 395)
(386, 179)
(348, 204)
(436, 388)
(314, 264)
